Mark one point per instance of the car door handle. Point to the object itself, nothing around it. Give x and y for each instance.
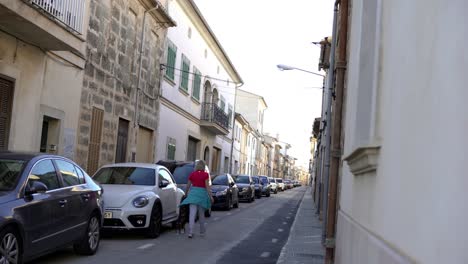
(62, 203)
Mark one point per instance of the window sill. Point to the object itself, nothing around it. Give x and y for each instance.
(363, 160)
(169, 80)
(195, 100)
(182, 90)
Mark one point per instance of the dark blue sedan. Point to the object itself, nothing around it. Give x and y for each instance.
(46, 202)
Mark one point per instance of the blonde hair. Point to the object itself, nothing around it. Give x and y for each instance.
(200, 165)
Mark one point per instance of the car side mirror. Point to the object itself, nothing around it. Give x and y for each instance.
(163, 183)
(37, 187)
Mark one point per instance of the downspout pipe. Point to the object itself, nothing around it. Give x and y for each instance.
(329, 85)
(137, 102)
(337, 135)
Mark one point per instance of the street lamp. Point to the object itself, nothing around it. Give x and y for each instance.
(283, 67)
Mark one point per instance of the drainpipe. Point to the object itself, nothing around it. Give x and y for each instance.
(233, 123)
(337, 136)
(137, 103)
(329, 85)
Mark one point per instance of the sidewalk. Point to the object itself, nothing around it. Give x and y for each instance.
(304, 242)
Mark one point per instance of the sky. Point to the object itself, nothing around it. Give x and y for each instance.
(257, 35)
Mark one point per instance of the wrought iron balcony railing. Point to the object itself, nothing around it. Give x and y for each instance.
(68, 12)
(214, 114)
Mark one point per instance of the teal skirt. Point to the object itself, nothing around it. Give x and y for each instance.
(198, 196)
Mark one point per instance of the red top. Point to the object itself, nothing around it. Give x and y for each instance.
(198, 178)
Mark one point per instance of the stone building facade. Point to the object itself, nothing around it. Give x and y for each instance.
(107, 129)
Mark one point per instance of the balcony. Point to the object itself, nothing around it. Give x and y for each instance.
(214, 119)
(49, 24)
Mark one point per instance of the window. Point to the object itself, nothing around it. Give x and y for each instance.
(44, 172)
(126, 176)
(69, 174)
(222, 104)
(80, 175)
(196, 84)
(10, 173)
(184, 80)
(163, 174)
(171, 148)
(171, 59)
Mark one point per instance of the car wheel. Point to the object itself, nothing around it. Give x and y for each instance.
(154, 229)
(10, 246)
(89, 243)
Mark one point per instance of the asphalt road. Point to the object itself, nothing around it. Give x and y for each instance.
(253, 233)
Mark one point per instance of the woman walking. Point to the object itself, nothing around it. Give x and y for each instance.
(198, 196)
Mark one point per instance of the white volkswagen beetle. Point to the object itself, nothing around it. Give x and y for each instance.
(138, 196)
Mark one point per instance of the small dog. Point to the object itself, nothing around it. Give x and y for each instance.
(182, 220)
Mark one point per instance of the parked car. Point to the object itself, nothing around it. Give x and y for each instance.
(266, 186)
(138, 196)
(246, 187)
(225, 192)
(257, 186)
(274, 185)
(46, 202)
(181, 171)
(280, 183)
(287, 184)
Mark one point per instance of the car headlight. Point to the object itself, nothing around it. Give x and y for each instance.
(140, 201)
(221, 193)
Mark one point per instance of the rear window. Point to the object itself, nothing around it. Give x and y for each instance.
(220, 180)
(182, 173)
(126, 176)
(242, 179)
(10, 173)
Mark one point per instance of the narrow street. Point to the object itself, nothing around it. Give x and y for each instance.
(253, 233)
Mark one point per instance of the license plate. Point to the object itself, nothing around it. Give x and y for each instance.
(107, 214)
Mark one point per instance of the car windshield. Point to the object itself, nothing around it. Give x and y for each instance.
(182, 173)
(279, 180)
(264, 180)
(242, 179)
(10, 173)
(256, 180)
(125, 176)
(220, 180)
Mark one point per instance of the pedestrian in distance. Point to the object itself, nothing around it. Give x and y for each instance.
(199, 196)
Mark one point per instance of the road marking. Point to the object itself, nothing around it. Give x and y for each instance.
(145, 246)
(265, 254)
(274, 240)
(280, 230)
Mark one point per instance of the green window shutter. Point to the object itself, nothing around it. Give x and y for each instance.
(196, 84)
(171, 59)
(185, 73)
(171, 148)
